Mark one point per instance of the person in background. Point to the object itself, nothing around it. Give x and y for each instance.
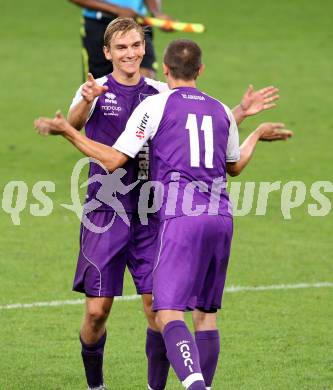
(97, 15)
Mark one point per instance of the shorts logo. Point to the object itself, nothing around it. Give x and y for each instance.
(140, 132)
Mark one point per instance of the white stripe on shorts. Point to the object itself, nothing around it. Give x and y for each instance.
(161, 243)
(92, 263)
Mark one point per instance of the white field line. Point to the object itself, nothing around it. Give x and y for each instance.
(231, 289)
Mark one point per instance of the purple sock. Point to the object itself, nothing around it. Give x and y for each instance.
(183, 355)
(92, 356)
(158, 363)
(208, 343)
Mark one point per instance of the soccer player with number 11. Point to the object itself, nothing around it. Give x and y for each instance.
(195, 136)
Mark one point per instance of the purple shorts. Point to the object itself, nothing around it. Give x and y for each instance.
(104, 256)
(191, 262)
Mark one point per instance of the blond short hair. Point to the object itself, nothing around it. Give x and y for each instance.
(122, 25)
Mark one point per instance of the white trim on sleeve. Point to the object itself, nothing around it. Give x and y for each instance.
(78, 96)
(123, 149)
(233, 151)
(158, 85)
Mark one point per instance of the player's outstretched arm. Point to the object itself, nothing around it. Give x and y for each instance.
(79, 113)
(102, 6)
(253, 102)
(108, 156)
(265, 132)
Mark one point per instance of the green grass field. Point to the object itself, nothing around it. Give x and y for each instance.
(271, 339)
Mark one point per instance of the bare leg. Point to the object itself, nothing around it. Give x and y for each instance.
(204, 321)
(147, 300)
(94, 320)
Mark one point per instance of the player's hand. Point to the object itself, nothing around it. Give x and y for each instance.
(91, 90)
(48, 126)
(273, 132)
(254, 102)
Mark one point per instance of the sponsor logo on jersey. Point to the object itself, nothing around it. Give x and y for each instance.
(110, 98)
(110, 95)
(140, 132)
(144, 163)
(110, 106)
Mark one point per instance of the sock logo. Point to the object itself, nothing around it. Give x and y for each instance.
(186, 354)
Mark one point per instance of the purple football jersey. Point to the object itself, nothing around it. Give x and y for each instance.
(192, 136)
(107, 120)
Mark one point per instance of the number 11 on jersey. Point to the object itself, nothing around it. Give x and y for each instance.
(207, 128)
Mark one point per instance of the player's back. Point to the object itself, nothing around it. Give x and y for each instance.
(191, 146)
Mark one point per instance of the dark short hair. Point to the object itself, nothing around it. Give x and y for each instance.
(122, 25)
(183, 58)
